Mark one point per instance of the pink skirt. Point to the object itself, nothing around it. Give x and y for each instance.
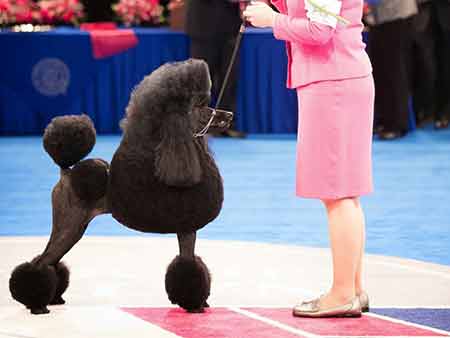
(334, 149)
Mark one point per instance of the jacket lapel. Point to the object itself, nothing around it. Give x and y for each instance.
(280, 5)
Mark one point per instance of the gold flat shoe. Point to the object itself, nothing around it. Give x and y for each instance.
(364, 301)
(312, 310)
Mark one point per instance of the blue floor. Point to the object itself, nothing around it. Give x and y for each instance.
(408, 215)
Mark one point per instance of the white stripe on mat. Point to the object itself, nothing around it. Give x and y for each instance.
(274, 323)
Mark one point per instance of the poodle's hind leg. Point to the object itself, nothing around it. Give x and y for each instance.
(42, 281)
(188, 281)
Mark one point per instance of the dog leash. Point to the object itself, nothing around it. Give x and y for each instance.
(225, 81)
(230, 65)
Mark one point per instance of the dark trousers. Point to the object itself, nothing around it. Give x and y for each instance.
(98, 10)
(390, 52)
(431, 63)
(217, 53)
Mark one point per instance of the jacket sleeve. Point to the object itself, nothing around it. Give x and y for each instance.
(301, 30)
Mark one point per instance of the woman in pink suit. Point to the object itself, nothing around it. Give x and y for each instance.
(332, 74)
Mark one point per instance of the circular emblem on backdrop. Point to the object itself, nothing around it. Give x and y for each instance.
(51, 77)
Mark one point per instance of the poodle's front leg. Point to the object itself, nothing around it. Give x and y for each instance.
(188, 281)
(42, 281)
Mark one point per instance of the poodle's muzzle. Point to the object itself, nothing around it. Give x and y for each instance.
(218, 120)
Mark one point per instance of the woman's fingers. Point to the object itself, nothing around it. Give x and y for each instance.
(251, 10)
(259, 14)
(254, 8)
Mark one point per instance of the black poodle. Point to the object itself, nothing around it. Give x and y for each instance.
(162, 179)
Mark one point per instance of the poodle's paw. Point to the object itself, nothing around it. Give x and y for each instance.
(58, 301)
(188, 283)
(199, 310)
(62, 274)
(34, 286)
(39, 310)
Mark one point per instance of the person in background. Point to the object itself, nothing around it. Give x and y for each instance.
(98, 10)
(213, 26)
(431, 70)
(390, 50)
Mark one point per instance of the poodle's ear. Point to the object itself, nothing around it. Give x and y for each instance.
(177, 161)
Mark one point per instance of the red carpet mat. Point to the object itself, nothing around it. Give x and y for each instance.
(268, 322)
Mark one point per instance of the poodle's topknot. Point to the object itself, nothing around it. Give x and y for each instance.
(171, 88)
(68, 139)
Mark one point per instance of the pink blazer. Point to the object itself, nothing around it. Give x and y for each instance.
(318, 52)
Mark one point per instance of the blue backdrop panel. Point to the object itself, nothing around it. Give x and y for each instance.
(264, 103)
(53, 73)
(41, 75)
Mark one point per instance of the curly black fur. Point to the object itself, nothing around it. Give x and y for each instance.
(34, 286)
(63, 275)
(188, 283)
(166, 118)
(89, 179)
(171, 167)
(68, 139)
(162, 179)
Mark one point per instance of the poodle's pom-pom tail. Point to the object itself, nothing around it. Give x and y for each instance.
(63, 275)
(68, 139)
(188, 283)
(34, 286)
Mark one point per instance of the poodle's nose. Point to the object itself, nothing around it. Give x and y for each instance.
(229, 116)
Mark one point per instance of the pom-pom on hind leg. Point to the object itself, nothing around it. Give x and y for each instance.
(71, 216)
(38, 285)
(188, 281)
(33, 285)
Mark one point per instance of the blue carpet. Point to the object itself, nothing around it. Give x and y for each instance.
(408, 215)
(436, 318)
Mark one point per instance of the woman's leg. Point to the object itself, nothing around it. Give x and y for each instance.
(359, 271)
(346, 230)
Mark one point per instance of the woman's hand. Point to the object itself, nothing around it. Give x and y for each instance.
(260, 14)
